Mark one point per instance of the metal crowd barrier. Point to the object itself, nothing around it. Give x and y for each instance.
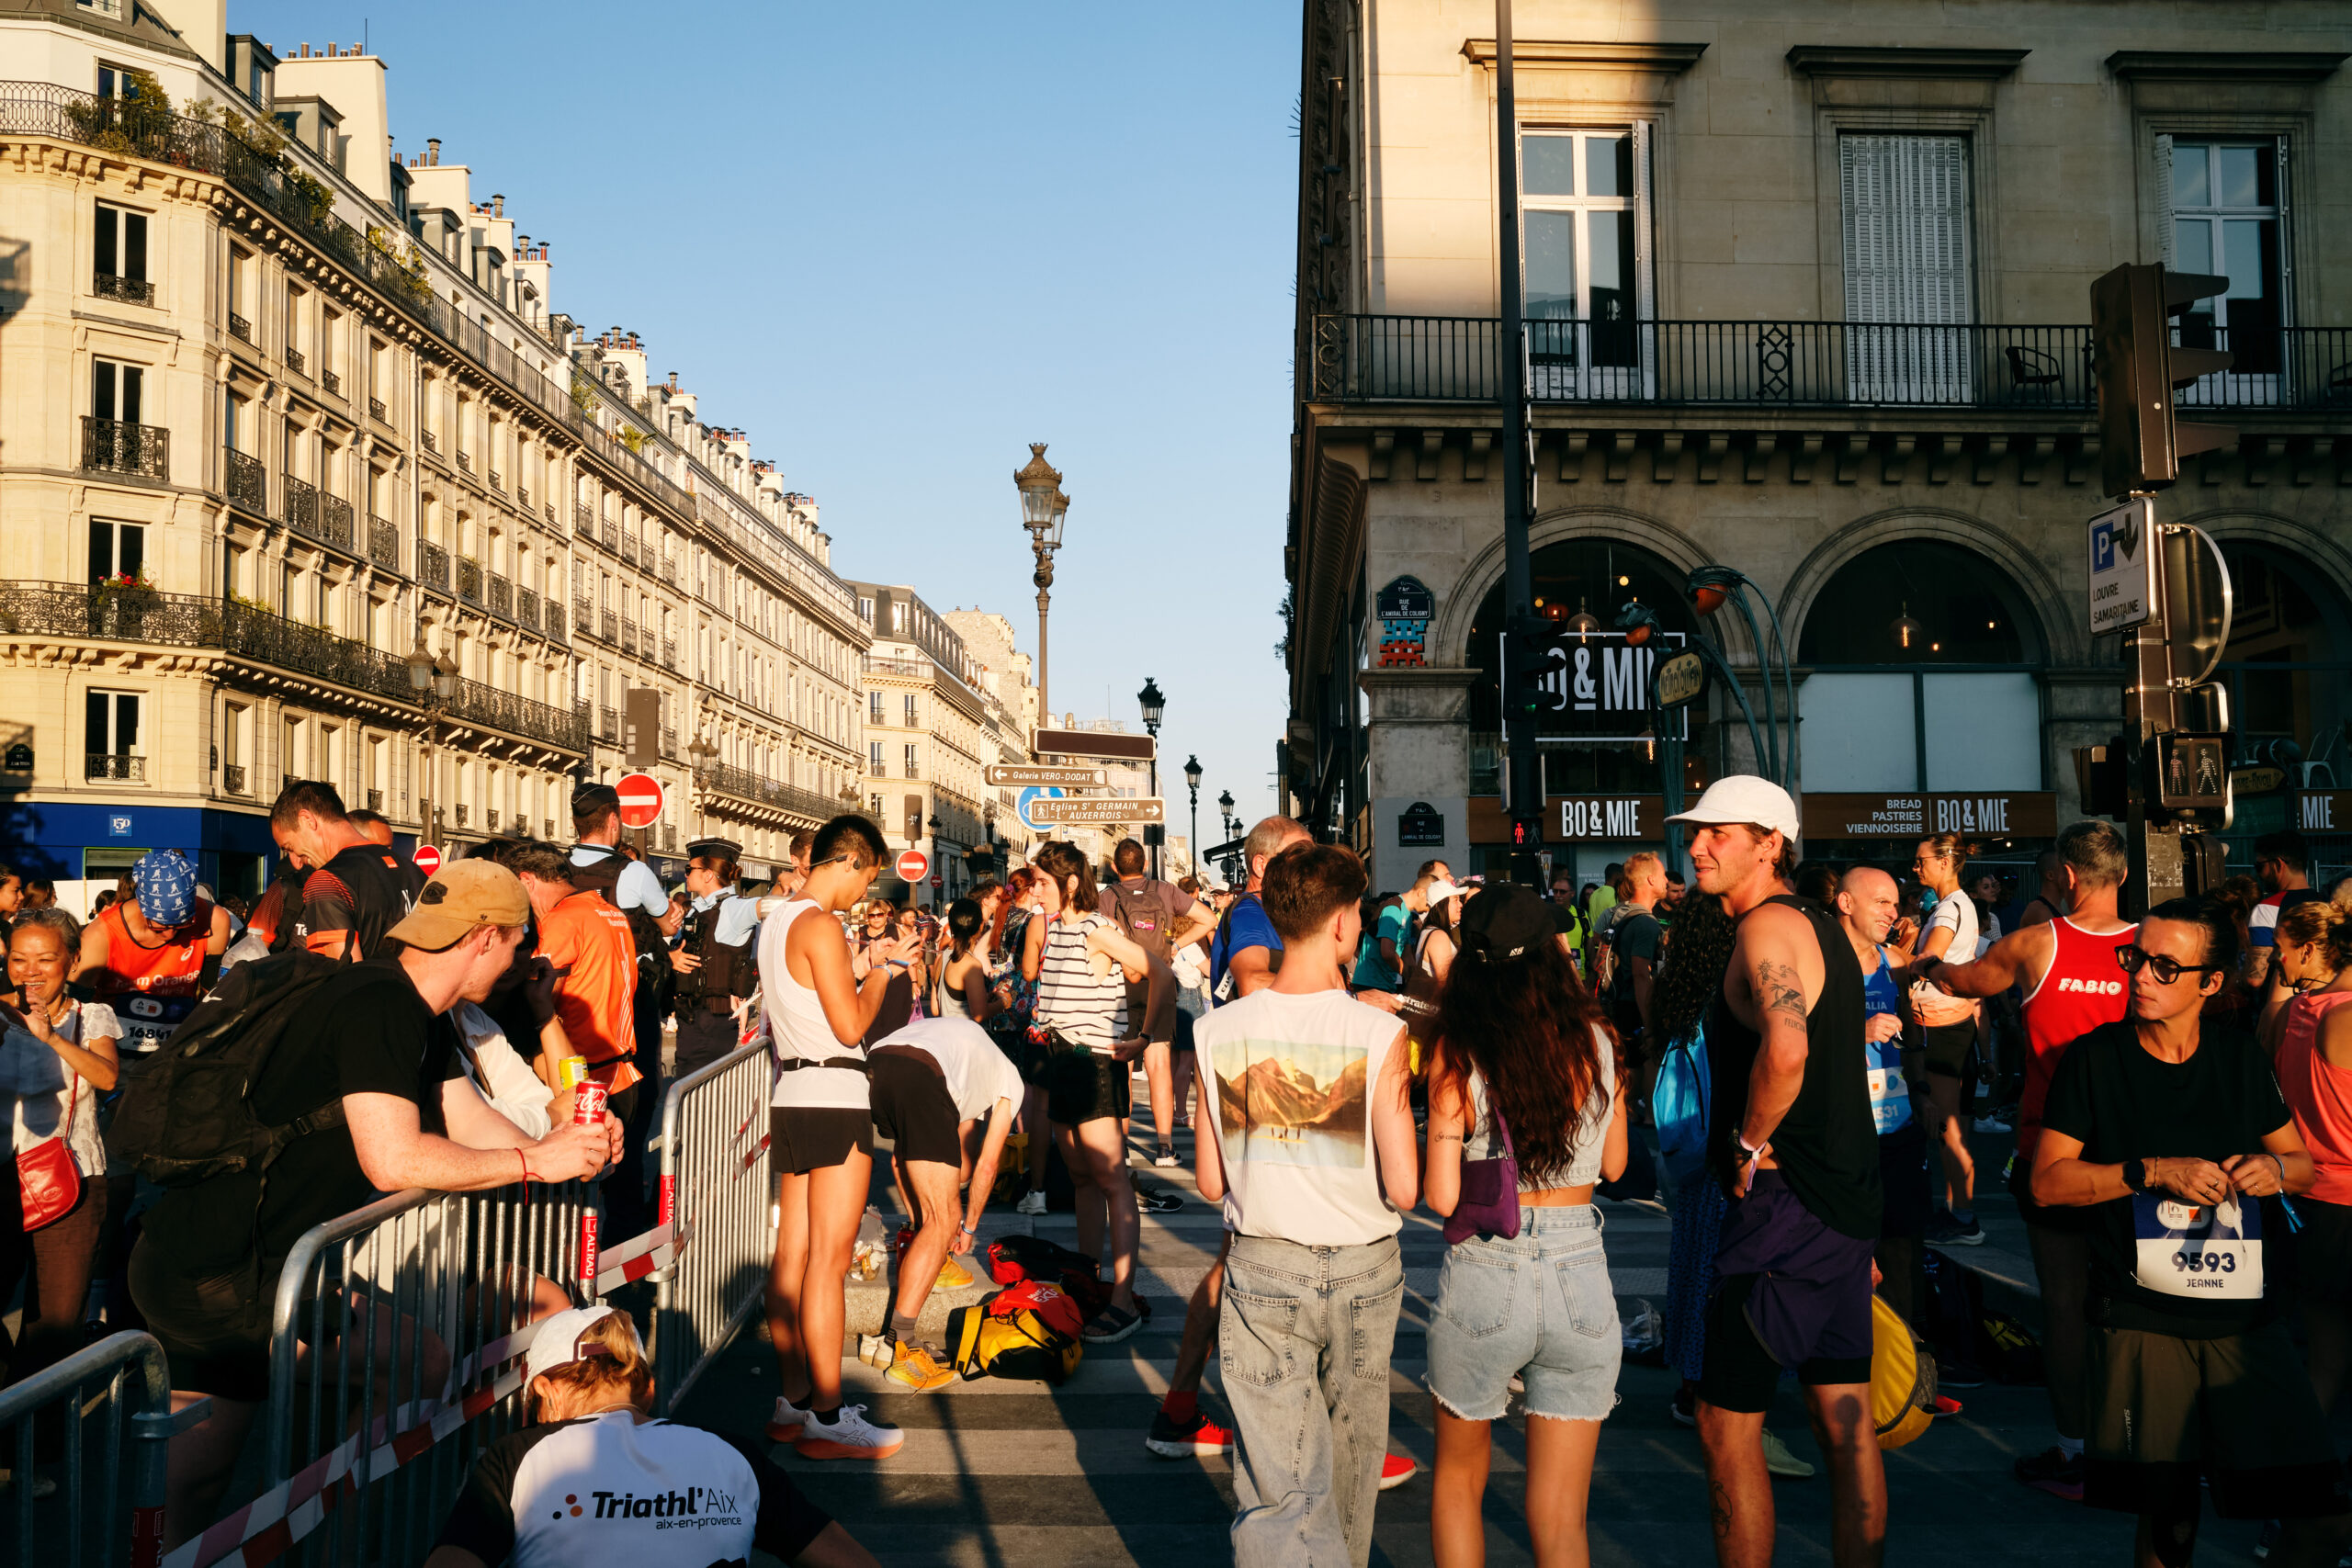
(374, 1312)
(107, 1408)
(714, 1180)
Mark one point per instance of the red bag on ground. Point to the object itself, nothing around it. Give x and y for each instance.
(1057, 1307)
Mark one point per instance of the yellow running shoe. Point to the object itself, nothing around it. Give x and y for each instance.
(916, 1367)
(952, 1275)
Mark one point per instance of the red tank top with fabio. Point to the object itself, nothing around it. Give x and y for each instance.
(2083, 988)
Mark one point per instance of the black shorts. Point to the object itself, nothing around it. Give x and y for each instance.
(2316, 1259)
(1948, 1047)
(911, 1107)
(803, 1138)
(1741, 1375)
(1904, 1203)
(1184, 1039)
(703, 1037)
(1084, 1086)
(215, 1332)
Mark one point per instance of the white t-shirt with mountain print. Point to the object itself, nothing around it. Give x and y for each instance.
(1289, 1081)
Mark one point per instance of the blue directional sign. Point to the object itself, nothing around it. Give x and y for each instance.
(1028, 798)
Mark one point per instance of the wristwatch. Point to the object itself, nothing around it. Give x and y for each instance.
(2135, 1174)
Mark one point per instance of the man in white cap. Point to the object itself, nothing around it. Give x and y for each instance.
(597, 1482)
(1796, 1148)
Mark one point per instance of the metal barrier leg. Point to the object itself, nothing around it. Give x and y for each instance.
(151, 1432)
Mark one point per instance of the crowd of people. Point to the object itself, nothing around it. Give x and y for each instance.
(2181, 1090)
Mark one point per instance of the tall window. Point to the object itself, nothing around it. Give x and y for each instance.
(117, 550)
(914, 770)
(121, 254)
(874, 760)
(2225, 221)
(111, 734)
(115, 391)
(1904, 208)
(910, 711)
(1584, 244)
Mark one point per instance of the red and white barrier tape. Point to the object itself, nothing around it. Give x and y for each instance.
(632, 1260)
(268, 1527)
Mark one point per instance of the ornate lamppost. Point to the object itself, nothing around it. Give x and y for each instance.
(435, 682)
(1153, 706)
(1042, 506)
(1193, 787)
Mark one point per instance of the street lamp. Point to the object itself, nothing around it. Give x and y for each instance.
(1153, 706)
(1042, 506)
(1192, 786)
(938, 860)
(1709, 588)
(435, 682)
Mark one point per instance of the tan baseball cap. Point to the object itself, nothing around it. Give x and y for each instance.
(461, 895)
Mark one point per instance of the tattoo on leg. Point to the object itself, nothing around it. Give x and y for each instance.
(1719, 1509)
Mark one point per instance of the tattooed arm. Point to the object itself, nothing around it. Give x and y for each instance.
(1778, 964)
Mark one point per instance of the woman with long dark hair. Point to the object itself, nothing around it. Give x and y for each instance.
(1524, 1067)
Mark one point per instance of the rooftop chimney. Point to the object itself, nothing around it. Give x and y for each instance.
(497, 206)
(432, 152)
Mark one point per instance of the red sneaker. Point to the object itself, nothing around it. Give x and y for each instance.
(1945, 1405)
(1203, 1440)
(1395, 1470)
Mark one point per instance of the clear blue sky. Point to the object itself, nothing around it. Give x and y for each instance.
(899, 242)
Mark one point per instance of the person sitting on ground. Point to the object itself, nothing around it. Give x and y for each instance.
(943, 1095)
(2169, 1133)
(666, 1495)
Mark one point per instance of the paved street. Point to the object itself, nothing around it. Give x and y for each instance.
(998, 1472)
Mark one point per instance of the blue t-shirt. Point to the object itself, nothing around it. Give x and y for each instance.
(1373, 972)
(737, 922)
(1890, 1095)
(1244, 926)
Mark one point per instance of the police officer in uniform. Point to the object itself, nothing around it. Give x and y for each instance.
(713, 957)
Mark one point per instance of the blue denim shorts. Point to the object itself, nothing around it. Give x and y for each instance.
(1539, 1307)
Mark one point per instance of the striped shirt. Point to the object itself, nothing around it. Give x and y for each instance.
(1085, 1008)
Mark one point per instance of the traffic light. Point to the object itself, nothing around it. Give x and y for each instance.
(1527, 833)
(2137, 367)
(1534, 654)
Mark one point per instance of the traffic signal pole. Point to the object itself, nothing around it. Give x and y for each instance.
(1526, 769)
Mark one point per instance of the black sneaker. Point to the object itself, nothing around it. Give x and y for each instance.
(2053, 1471)
(1949, 1230)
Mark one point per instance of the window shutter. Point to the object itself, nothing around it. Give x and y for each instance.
(134, 246)
(104, 256)
(2286, 244)
(2164, 201)
(1905, 202)
(1645, 273)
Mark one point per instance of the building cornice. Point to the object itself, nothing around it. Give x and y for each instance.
(2224, 65)
(1588, 55)
(1938, 65)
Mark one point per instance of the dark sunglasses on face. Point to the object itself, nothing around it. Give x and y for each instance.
(2131, 960)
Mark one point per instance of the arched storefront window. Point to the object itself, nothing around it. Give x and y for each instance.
(1922, 663)
(1572, 577)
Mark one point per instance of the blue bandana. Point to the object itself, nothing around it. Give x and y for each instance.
(165, 884)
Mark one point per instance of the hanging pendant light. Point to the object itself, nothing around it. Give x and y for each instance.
(1584, 622)
(1907, 630)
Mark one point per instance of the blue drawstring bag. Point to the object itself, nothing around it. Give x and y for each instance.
(1678, 1105)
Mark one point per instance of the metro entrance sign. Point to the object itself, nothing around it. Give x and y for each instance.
(1033, 776)
(641, 800)
(2123, 567)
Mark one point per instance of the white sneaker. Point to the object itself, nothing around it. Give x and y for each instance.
(1777, 1457)
(1032, 1203)
(848, 1436)
(784, 1424)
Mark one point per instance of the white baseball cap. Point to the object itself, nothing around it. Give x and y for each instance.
(1441, 890)
(557, 1344)
(1743, 798)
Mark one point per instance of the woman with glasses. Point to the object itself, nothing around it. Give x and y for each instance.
(1948, 1030)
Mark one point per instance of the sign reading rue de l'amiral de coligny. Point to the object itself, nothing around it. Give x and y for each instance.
(2123, 567)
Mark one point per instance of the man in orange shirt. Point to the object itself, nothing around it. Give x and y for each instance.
(588, 942)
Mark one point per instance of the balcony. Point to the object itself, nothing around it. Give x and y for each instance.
(374, 800)
(232, 779)
(383, 544)
(555, 621)
(462, 810)
(628, 635)
(608, 724)
(432, 565)
(629, 549)
(490, 819)
(526, 608)
(583, 522)
(669, 653)
(502, 597)
(609, 535)
(125, 290)
(670, 741)
(670, 570)
(248, 482)
(334, 522)
(116, 446)
(465, 462)
(497, 479)
(609, 627)
(523, 495)
(584, 615)
(743, 784)
(431, 444)
(331, 381)
(469, 581)
(294, 360)
(302, 505)
(376, 407)
(240, 327)
(549, 505)
(918, 669)
(1796, 365)
(114, 766)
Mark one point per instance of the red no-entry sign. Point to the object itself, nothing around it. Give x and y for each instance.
(427, 859)
(641, 800)
(912, 865)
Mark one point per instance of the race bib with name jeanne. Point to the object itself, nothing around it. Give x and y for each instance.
(2209, 1252)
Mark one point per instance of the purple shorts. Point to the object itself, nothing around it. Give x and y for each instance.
(1791, 1293)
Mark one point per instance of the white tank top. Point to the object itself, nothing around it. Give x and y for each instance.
(797, 1027)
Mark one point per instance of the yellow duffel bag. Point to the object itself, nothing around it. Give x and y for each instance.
(1903, 1378)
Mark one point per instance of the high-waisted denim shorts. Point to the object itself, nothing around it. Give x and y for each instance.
(1539, 1307)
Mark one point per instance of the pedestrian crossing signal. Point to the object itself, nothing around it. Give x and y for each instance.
(1527, 833)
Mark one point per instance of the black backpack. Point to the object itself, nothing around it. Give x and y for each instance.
(189, 1116)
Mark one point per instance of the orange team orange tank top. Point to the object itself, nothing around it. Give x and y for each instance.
(151, 988)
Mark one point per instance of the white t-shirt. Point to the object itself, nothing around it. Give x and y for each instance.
(1956, 913)
(978, 1074)
(40, 1081)
(1290, 1082)
(506, 1081)
(1086, 1008)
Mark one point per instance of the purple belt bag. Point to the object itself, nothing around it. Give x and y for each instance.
(1489, 1202)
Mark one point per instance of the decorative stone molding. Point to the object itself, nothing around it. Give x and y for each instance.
(2211, 65)
(1593, 55)
(1909, 64)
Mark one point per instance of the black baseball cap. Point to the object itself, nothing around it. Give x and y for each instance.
(1503, 922)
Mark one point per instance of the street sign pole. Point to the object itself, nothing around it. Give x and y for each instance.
(1510, 374)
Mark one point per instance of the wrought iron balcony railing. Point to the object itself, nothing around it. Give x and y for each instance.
(374, 800)
(526, 608)
(742, 784)
(240, 327)
(383, 544)
(469, 580)
(248, 482)
(465, 462)
(335, 521)
(302, 505)
(129, 290)
(1361, 359)
(432, 444)
(116, 447)
(583, 521)
(232, 779)
(609, 627)
(432, 565)
(376, 407)
(629, 549)
(555, 621)
(628, 635)
(502, 597)
(114, 766)
(669, 653)
(331, 381)
(608, 724)
(294, 360)
(584, 615)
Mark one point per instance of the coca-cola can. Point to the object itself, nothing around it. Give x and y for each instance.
(588, 1110)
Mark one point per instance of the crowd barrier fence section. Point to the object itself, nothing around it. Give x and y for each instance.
(715, 1188)
(106, 1408)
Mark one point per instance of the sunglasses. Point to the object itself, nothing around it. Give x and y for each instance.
(2131, 960)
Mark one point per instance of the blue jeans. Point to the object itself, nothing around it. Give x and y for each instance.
(1539, 1307)
(1303, 1342)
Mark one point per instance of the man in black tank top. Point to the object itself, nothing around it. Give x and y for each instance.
(1794, 1143)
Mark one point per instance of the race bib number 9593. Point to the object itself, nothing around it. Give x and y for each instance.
(2212, 1252)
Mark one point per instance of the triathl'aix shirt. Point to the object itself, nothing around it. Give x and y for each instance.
(608, 1491)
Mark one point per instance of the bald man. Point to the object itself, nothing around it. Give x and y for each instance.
(1868, 904)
